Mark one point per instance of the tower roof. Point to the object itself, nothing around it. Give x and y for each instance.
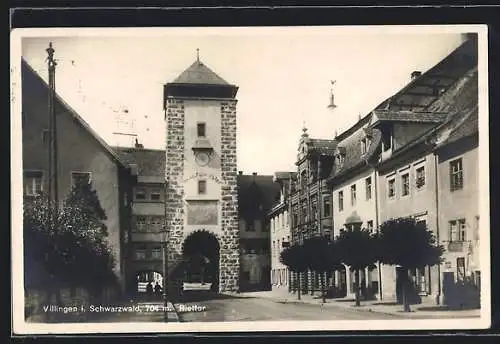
(199, 74)
(199, 81)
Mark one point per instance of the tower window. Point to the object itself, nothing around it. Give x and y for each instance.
(201, 128)
(202, 187)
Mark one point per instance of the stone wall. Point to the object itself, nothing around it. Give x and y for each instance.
(174, 175)
(229, 265)
(229, 250)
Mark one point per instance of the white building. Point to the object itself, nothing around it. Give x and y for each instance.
(279, 217)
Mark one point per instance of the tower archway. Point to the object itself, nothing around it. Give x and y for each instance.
(201, 254)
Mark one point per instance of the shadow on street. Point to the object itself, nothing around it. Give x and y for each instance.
(206, 295)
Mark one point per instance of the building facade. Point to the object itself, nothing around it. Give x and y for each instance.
(201, 174)
(311, 202)
(279, 219)
(354, 191)
(82, 155)
(457, 155)
(146, 235)
(256, 195)
(408, 170)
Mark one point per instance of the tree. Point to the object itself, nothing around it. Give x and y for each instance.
(410, 245)
(293, 258)
(321, 256)
(83, 218)
(67, 246)
(44, 264)
(358, 249)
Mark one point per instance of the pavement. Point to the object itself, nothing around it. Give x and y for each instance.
(389, 307)
(203, 306)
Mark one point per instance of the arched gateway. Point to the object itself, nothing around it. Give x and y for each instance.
(201, 175)
(201, 256)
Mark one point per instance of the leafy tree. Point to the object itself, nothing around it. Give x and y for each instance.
(358, 249)
(67, 246)
(83, 216)
(321, 256)
(411, 245)
(293, 258)
(44, 265)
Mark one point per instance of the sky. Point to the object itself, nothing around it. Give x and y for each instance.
(284, 77)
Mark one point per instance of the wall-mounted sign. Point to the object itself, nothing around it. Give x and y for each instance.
(202, 212)
(203, 175)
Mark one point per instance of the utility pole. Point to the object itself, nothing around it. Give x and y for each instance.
(53, 189)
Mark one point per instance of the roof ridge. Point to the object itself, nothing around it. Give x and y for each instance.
(75, 115)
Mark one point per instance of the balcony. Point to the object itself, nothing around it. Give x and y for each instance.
(457, 246)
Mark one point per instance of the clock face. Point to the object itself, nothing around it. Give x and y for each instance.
(202, 158)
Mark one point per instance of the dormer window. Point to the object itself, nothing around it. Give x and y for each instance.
(340, 157)
(387, 136)
(365, 143)
(340, 160)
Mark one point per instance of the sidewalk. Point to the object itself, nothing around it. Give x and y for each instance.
(384, 307)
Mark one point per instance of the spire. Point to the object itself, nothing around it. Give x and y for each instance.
(198, 55)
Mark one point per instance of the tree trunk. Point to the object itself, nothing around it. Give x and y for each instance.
(312, 282)
(356, 287)
(298, 285)
(406, 289)
(202, 273)
(323, 294)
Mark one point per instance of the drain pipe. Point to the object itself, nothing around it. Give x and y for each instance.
(438, 299)
(375, 183)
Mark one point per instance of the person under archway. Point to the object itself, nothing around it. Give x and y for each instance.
(149, 290)
(158, 289)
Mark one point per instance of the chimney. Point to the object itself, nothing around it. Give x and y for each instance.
(415, 74)
(138, 145)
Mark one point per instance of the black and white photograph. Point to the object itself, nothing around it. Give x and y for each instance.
(228, 179)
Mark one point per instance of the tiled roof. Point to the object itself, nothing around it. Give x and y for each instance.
(467, 128)
(322, 146)
(460, 102)
(353, 156)
(150, 162)
(284, 175)
(462, 106)
(31, 79)
(199, 74)
(255, 188)
(410, 116)
(424, 90)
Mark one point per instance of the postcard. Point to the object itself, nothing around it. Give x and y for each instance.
(250, 179)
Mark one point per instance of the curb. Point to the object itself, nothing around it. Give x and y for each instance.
(368, 308)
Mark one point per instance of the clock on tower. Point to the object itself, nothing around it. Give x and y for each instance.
(202, 158)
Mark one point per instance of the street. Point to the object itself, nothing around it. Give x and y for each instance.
(206, 307)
